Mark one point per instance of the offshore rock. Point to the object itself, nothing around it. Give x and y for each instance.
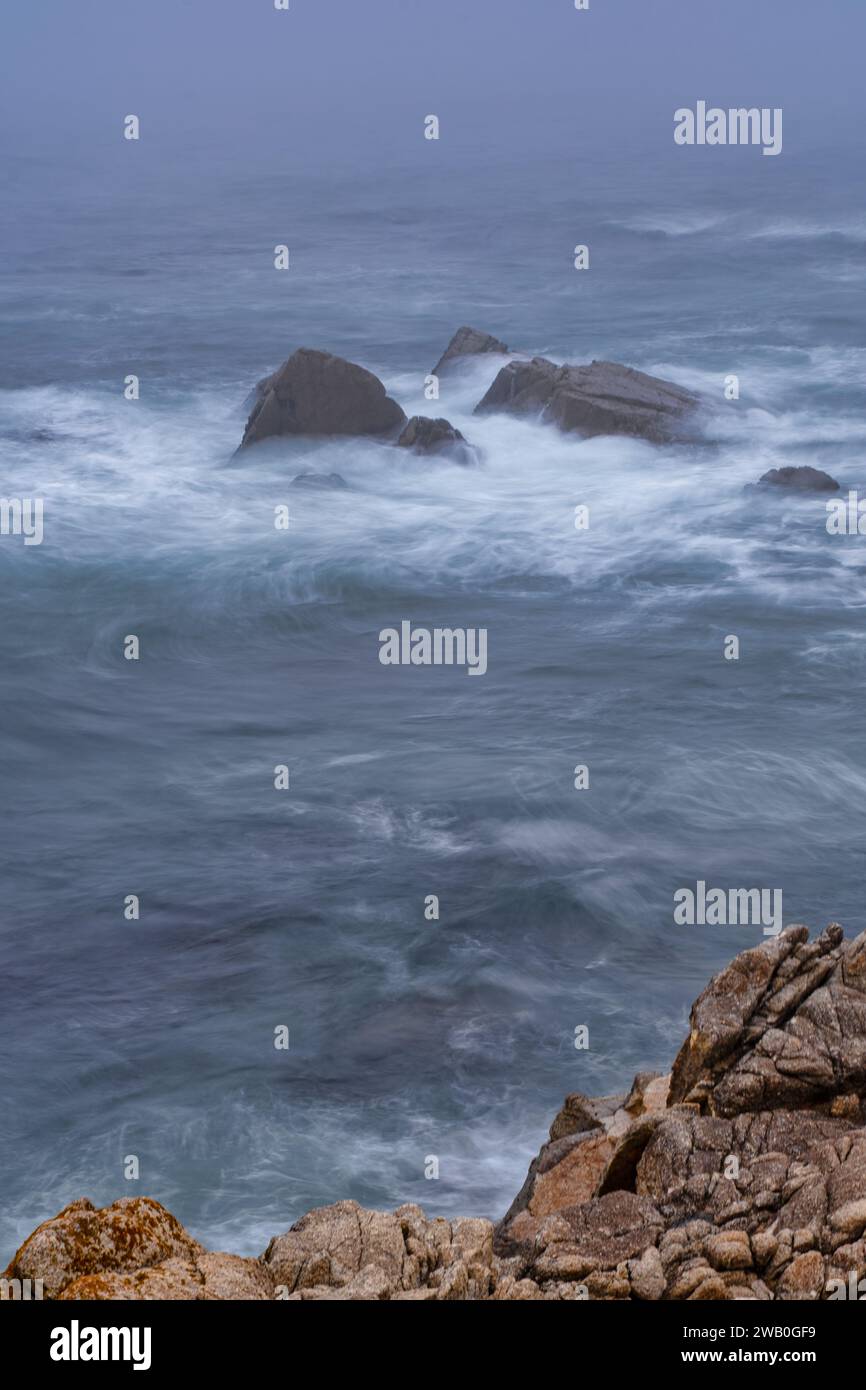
(469, 342)
(426, 436)
(601, 398)
(802, 479)
(316, 393)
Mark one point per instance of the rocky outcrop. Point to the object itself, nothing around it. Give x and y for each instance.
(601, 398)
(425, 436)
(346, 1252)
(741, 1175)
(316, 393)
(132, 1234)
(783, 1026)
(584, 1137)
(207, 1278)
(468, 342)
(802, 479)
(750, 1159)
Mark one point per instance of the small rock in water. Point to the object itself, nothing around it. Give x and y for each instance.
(426, 436)
(803, 479)
(323, 482)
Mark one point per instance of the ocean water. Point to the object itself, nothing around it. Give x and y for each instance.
(409, 1038)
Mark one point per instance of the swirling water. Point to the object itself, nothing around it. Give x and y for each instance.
(259, 647)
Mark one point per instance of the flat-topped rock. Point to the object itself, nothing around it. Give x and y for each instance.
(601, 398)
(469, 342)
(316, 393)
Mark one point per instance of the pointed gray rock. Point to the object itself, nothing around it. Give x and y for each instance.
(316, 393)
(469, 342)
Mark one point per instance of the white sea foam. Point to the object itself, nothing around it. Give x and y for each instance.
(149, 480)
(851, 228)
(674, 224)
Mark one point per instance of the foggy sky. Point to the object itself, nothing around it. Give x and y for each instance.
(354, 78)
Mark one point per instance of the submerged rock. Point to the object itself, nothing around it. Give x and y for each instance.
(601, 398)
(468, 342)
(426, 436)
(802, 479)
(322, 482)
(740, 1176)
(316, 393)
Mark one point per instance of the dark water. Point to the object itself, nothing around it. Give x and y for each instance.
(306, 909)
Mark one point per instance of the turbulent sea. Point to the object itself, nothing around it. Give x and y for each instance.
(259, 647)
